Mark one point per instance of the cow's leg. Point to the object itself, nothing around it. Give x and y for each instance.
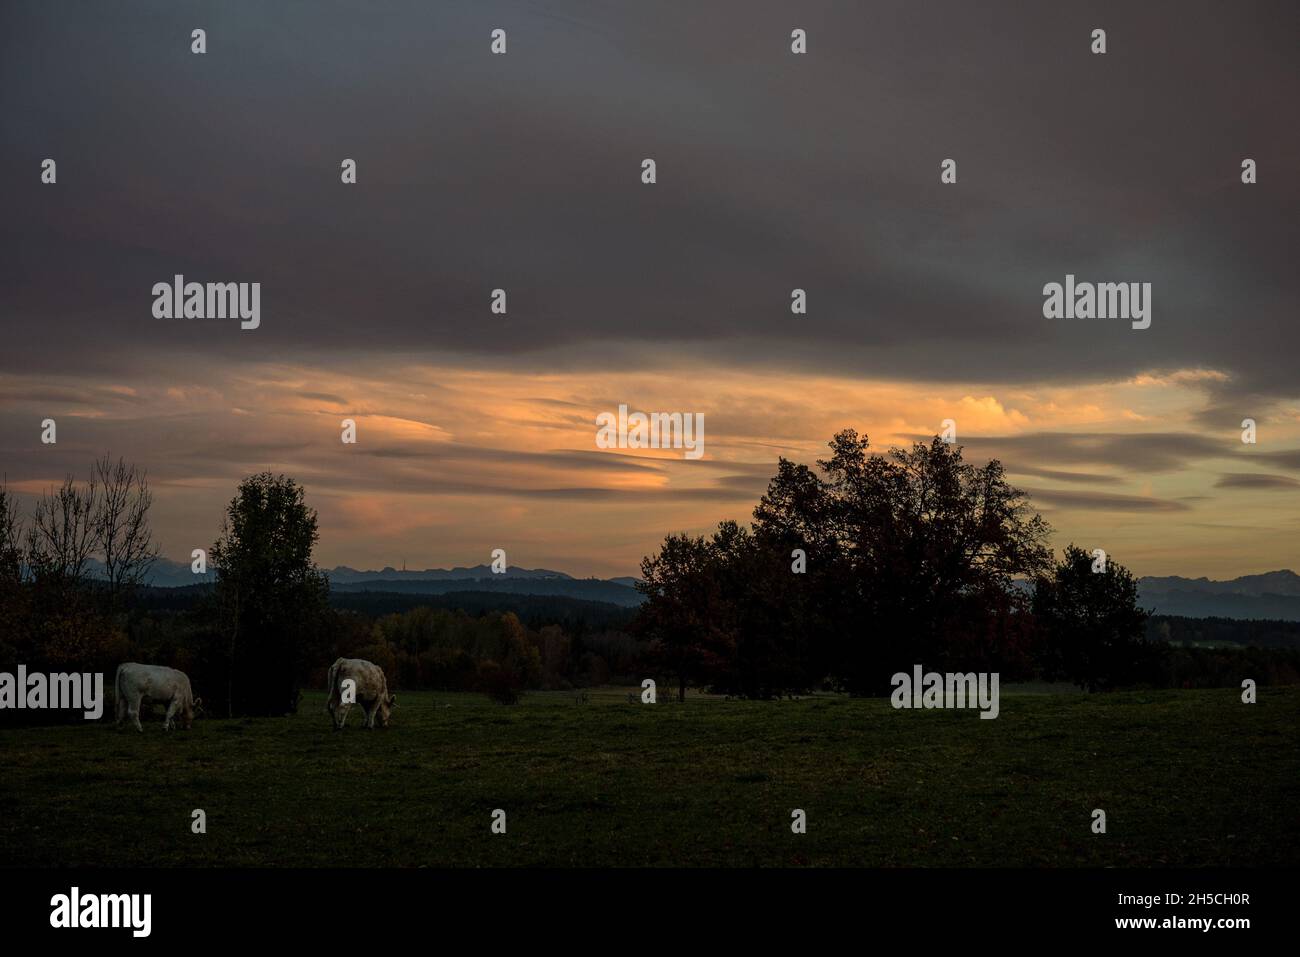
(370, 714)
(341, 716)
(133, 710)
(169, 722)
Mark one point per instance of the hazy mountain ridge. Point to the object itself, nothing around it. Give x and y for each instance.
(344, 574)
(587, 589)
(429, 581)
(1268, 595)
(165, 573)
(172, 574)
(1283, 582)
(1272, 595)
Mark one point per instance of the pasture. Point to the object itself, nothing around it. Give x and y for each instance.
(1187, 778)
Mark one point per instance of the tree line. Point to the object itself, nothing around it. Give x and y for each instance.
(864, 566)
(871, 563)
(51, 614)
(72, 599)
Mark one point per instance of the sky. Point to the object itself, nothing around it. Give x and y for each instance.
(775, 171)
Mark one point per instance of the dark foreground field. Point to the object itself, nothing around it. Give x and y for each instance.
(1186, 778)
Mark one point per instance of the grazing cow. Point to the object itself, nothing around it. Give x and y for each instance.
(369, 689)
(135, 683)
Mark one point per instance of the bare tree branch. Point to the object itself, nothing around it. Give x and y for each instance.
(121, 524)
(12, 566)
(61, 536)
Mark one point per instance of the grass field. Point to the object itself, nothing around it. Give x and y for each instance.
(1186, 778)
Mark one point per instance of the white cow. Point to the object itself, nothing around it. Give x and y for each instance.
(368, 687)
(135, 683)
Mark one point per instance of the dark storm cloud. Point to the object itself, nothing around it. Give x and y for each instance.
(1103, 502)
(775, 171)
(1135, 452)
(1057, 475)
(1289, 459)
(603, 461)
(323, 397)
(1251, 480)
(69, 396)
(752, 486)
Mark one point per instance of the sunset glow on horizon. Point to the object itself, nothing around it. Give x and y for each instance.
(450, 463)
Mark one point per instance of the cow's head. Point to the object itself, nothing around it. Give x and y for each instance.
(187, 714)
(386, 705)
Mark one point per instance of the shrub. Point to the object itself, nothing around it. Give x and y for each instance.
(502, 685)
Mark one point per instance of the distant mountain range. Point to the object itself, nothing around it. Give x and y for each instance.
(435, 581)
(1272, 595)
(344, 574)
(513, 581)
(588, 589)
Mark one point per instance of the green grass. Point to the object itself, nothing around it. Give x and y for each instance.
(1187, 778)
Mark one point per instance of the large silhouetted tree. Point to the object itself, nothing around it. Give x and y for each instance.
(1093, 630)
(880, 562)
(682, 617)
(272, 599)
(905, 550)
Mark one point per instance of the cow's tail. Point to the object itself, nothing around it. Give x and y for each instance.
(329, 684)
(119, 693)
